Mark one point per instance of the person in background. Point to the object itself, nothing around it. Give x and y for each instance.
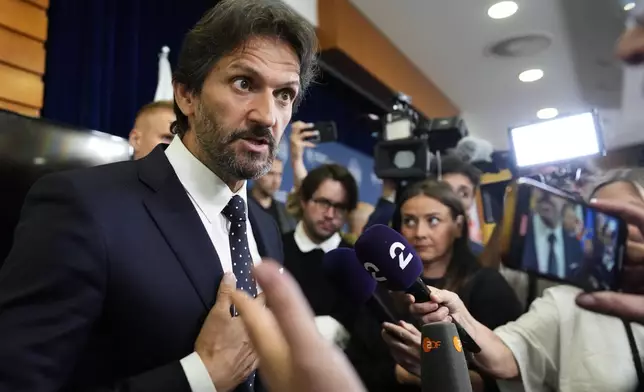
(262, 194)
(463, 177)
(357, 220)
(327, 195)
(152, 127)
(630, 49)
(299, 143)
(556, 345)
(432, 218)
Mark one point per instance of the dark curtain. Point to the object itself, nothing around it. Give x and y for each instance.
(102, 57)
(102, 64)
(330, 99)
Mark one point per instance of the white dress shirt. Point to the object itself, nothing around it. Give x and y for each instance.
(209, 194)
(559, 346)
(542, 246)
(305, 244)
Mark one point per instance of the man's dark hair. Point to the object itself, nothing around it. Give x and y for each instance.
(227, 27)
(317, 176)
(455, 165)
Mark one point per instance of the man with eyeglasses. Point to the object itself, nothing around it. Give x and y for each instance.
(326, 196)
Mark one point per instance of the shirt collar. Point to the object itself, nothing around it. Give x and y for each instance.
(544, 230)
(207, 190)
(306, 245)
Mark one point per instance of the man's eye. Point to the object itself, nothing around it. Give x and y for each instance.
(242, 84)
(286, 96)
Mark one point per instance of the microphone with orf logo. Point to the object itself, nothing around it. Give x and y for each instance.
(443, 367)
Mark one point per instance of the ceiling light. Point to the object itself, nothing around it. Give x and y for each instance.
(547, 113)
(531, 75)
(629, 6)
(502, 10)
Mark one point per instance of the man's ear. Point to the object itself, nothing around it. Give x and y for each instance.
(460, 221)
(134, 138)
(184, 98)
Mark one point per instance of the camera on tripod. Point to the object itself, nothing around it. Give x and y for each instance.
(409, 142)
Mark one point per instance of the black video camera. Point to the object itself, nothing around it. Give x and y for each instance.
(409, 142)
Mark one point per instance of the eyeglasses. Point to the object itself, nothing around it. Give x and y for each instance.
(325, 204)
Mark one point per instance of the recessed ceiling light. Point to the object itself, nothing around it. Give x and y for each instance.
(502, 10)
(531, 75)
(547, 113)
(629, 6)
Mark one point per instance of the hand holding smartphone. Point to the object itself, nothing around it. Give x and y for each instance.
(325, 131)
(548, 233)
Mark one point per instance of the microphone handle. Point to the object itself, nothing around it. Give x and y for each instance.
(421, 293)
(379, 308)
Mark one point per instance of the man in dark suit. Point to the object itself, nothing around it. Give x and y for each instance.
(548, 248)
(113, 281)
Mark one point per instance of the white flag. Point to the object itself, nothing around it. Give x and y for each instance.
(164, 85)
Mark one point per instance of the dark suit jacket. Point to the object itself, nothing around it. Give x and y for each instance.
(109, 280)
(285, 221)
(573, 253)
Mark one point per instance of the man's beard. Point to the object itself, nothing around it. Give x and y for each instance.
(217, 149)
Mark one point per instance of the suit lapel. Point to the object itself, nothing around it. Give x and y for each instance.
(256, 222)
(176, 217)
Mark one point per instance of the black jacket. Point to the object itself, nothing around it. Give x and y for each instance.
(109, 280)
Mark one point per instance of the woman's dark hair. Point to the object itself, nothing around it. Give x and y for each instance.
(227, 27)
(633, 177)
(463, 262)
(317, 176)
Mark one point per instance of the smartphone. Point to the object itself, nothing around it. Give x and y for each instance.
(551, 234)
(326, 131)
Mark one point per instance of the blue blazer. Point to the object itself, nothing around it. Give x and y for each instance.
(109, 280)
(573, 252)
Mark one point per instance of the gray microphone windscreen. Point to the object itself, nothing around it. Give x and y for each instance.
(443, 365)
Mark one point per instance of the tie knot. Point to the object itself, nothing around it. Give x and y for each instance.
(235, 211)
(552, 238)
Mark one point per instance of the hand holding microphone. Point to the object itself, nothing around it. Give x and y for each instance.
(293, 355)
(444, 306)
(391, 260)
(343, 269)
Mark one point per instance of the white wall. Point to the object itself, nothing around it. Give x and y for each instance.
(307, 8)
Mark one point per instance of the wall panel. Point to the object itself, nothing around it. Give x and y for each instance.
(23, 33)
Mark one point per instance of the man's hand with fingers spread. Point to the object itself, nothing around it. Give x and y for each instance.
(223, 344)
(294, 356)
(627, 306)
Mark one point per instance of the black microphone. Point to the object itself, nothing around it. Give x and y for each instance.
(443, 367)
(346, 273)
(390, 259)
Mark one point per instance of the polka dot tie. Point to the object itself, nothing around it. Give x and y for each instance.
(235, 212)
